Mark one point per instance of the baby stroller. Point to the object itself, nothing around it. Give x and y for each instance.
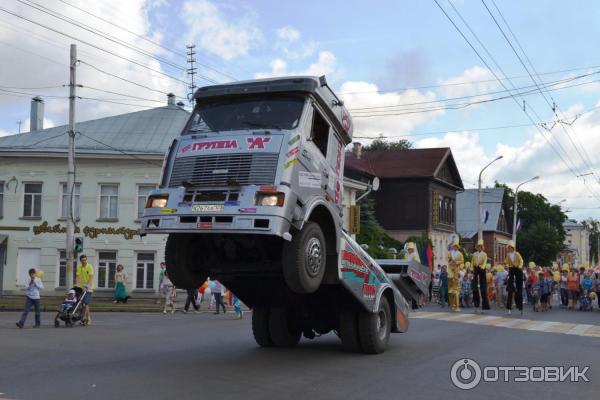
(71, 310)
(585, 301)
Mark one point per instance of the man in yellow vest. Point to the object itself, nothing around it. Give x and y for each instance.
(514, 262)
(455, 260)
(479, 261)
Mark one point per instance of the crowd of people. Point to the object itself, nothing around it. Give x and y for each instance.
(477, 284)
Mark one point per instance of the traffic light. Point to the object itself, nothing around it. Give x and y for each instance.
(78, 248)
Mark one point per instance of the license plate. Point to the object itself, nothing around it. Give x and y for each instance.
(207, 208)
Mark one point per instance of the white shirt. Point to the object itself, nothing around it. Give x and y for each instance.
(478, 255)
(454, 254)
(512, 256)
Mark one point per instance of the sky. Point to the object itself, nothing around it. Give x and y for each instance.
(401, 67)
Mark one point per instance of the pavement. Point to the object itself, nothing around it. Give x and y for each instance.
(156, 356)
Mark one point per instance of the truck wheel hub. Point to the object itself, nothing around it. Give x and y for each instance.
(381, 324)
(313, 257)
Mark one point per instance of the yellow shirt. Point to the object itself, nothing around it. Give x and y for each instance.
(479, 259)
(85, 276)
(518, 260)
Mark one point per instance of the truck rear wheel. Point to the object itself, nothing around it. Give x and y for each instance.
(283, 331)
(374, 329)
(349, 331)
(185, 261)
(304, 259)
(260, 326)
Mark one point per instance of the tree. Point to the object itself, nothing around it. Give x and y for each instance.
(381, 144)
(534, 210)
(372, 233)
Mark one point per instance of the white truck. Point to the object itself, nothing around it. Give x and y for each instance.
(251, 195)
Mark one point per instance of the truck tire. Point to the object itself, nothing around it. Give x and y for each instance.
(304, 259)
(349, 331)
(282, 329)
(182, 258)
(374, 328)
(260, 326)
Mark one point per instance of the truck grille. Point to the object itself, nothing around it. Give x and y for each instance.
(225, 170)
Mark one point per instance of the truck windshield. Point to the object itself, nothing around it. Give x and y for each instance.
(281, 112)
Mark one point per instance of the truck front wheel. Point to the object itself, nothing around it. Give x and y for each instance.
(304, 259)
(185, 261)
(374, 329)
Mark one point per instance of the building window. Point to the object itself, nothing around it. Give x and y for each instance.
(144, 271)
(107, 265)
(446, 210)
(62, 269)
(143, 192)
(64, 200)
(109, 201)
(32, 200)
(1, 199)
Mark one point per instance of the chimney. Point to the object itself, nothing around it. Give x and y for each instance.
(180, 104)
(36, 117)
(170, 99)
(357, 150)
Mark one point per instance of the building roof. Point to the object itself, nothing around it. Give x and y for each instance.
(572, 224)
(147, 132)
(467, 223)
(410, 163)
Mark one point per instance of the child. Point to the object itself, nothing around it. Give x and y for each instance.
(587, 285)
(170, 293)
(536, 289)
(444, 286)
(69, 301)
(465, 291)
(237, 306)
(436, 287)
(32, 298)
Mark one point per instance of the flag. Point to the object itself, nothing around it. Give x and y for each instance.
(424, 259)
(485, 215)
(430, 256)
(518, 224)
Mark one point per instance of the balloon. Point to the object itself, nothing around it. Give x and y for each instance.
(39, 273)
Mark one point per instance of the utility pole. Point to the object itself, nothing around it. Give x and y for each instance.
(479, 208)
(191, 71)
(19, 122)
(71, 167)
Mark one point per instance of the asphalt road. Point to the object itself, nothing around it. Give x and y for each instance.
(155, 356)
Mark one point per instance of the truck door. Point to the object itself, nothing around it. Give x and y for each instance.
(325, 150)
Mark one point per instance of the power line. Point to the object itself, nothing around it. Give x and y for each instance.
(496, 76)
(146, 39)
(32, 88)
(92, 45)
(119, 94)
(553, 105)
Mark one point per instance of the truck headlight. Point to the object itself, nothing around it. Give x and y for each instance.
(270, 199)
(159, 201)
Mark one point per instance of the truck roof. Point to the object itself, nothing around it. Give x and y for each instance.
(315, 86)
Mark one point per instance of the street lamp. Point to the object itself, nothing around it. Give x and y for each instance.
(480, 230)
(514, 234)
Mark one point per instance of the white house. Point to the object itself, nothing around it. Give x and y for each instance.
(577, 238)
(118, 160)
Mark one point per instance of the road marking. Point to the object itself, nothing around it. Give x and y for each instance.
(513, 323)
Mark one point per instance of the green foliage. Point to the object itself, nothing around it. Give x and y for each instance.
(542, 235)
(380, 144)
(373, 234)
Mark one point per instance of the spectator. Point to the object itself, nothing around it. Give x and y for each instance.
(237, 305)
(444, 286)
(120, 285)
(218, 295)
(562, 285)
(32, 298)
(501, 278)
(597, 286)
(161, 275)
(465, 291)
(191, 298)
(85, 280)
(573, 288)
(170, 293)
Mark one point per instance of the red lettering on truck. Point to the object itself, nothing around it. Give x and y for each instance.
(211, 145)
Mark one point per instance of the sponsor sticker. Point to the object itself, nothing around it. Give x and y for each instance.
(294, 139)
(257, 142)
(248, 210)
(290, 163)
(209, 145)
(309, 179)
(232, 203)
(204, 225)
(168, 210)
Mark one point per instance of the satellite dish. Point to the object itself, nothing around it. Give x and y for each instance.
(375, 184)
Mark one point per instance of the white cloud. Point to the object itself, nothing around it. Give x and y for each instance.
(210, 30)
(292, 47)
(324, 65)
(456, 86)
(362, 99)
(40, 58)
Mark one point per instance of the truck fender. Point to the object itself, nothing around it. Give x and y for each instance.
(399, 318)
(308, 210)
